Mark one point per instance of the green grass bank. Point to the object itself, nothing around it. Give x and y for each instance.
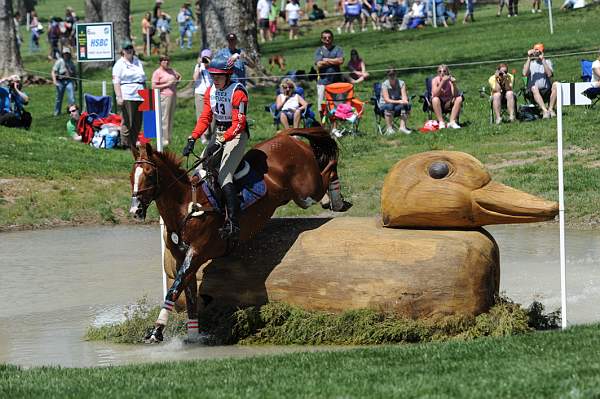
(543, 365)
(46, 180)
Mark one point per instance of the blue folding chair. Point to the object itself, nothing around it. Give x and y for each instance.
(99, 105)
(308, 116)
(593, 93)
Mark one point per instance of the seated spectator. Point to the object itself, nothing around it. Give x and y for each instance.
(445, 97)
(539, 72)
(501, 85)
(291, 104)
(415, 17)
(74, 114)
(316, 13)
(12, 103)
(394, 102)
(572, 4)
(357, 68)
(596, 72)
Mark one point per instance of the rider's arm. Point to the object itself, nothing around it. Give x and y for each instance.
(238, 115)
(205, 118)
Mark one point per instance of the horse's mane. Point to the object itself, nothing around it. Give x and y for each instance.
(172, 161)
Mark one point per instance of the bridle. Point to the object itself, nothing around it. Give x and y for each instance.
(154, 186)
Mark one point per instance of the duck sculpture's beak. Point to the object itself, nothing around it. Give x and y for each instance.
(496, 203)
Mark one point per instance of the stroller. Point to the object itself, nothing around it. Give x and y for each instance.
(97, 126)
(341, 110)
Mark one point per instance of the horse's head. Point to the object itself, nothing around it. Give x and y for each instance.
(144, 181)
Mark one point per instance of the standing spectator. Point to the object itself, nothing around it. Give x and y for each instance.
(70, 21)
(501, 4)
(394, 102)
(357, 68)
(129, 77)
(535, 6)
(186, 25)
(202, 81)
(273, 15)
(34, 27)
(539, 72)
(74, 114)
(263, 8)
(513, 8)
(165, 79)
(445, 97)
(369, 11)
(53, 39)
(63, 73)
(163, 26)
(501, 84)
(352, 12)
(17, 23)
(292, 16)
(237, 57)
(148, 31)
(290, 103)
(469, 13)
(328, 59)
(12, 104)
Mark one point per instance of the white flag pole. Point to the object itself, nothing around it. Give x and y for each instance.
(104, 88)
(148, 49)
(434, 14)
(159, 147)
(561, 207)
(550, 17)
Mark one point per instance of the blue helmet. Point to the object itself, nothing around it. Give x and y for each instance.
(220, 66)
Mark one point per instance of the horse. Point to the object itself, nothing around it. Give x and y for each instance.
(293, 170)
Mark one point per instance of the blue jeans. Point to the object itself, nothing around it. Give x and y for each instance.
(65, 84)
(395, 109)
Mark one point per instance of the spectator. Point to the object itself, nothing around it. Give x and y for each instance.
(202, 81)
(596, 72)
(273, 15)
(469, 13)
(441, 12)
(63, 73)
(352, 12)
(328, 59)
(186, 25)
(237, 57)
(501, 84)
(501, 4)
(129, 77)
(53, 38)
(12, 103)
(358, 70)
(572, 5)
(290, 103)
(513, 8)
(292, 16)
(263, 9)
(148, 31)
(445, 97)
(17, 23)
(316, 13)
(69, 27)
(535, 6)
(369, 11)
(394, 102)
(415, 17)
(539, 71)
(165, 79)
(34, 27)
(163, 26)
(74, 114)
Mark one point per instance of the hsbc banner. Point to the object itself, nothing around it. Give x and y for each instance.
(95, 42)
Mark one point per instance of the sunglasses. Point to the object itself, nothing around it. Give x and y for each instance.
(73, 110)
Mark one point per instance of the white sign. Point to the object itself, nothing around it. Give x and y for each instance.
(95, 42)
(572, 93)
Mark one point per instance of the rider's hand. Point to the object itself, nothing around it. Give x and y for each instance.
(213, 147)
(189, 147)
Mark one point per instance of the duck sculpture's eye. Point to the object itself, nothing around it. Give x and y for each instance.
(439, 170)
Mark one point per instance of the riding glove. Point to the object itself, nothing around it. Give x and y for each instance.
(213, 148)
(189, 147)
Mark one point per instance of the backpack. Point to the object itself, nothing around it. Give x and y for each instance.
(528, 113)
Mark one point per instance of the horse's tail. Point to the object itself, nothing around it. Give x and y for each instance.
(323, 145)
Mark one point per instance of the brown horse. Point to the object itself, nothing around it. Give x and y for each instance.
(292, 170)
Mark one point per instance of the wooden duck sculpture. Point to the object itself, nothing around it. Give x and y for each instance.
(444, 263)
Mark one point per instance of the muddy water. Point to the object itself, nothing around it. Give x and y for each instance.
(56, 283)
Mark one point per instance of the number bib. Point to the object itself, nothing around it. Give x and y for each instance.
(220, 102)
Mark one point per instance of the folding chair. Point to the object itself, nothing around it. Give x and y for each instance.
(593, 93)
(341, 93)
(379, 113)
(99, 105)
(425, 98)
(308, 116)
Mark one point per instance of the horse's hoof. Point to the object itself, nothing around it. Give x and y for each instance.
(195, 339)
(155, 336)
(345, 206)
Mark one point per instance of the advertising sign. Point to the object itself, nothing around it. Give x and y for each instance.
(95, 42)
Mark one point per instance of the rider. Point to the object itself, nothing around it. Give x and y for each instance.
(227, 102)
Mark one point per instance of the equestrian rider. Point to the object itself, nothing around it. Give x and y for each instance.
(227, 103)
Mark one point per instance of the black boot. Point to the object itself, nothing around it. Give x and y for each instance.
(231, 228)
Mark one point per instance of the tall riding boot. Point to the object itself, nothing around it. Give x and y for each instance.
(231, 228)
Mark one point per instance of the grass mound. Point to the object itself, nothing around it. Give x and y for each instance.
(283, 324)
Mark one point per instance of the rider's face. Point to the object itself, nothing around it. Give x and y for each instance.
(220, 81)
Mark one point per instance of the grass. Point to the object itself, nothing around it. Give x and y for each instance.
(37, 166)
(560, 364)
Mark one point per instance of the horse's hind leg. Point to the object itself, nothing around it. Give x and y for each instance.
(334, 198)
(191, 301)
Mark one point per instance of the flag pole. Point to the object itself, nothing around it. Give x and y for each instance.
(159, 147)
(561, 207)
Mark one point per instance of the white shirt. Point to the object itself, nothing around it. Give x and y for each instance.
(131, 77)
(293, 11)
(263, 8)
(418, 10)
(596, 77)
(204, 80)
(292, 103)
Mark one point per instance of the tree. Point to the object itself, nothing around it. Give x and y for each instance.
(10, 61)
(115, 11)
(220, 17)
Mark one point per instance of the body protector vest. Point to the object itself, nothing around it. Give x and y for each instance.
(220, 103)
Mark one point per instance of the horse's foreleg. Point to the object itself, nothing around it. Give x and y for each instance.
(156, 335)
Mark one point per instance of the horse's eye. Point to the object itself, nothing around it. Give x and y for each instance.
(439, 170)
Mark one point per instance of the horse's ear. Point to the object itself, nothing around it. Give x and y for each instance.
(149, 150)
(135, 152)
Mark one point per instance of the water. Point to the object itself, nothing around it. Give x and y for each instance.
(56, 283)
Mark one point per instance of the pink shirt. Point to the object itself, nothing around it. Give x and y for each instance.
(446, 89)
(162, 76)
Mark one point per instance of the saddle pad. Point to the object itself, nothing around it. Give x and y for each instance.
(251, 188)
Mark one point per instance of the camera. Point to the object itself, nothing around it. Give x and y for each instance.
(501, 74)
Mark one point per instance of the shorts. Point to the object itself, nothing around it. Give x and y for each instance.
(366, 12)
(289, 113)
(293, 22)
(350, 18)
(263, 23)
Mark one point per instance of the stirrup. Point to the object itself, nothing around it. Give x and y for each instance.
(230, 231)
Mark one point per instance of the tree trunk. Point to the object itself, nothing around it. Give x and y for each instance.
(93, 10)
(220, 17)
(116, 11)
(10, 61)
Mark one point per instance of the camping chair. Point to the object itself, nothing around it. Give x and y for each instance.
(335, 95)
(593, 93)
(99, 105)
(503, 105)
(379, 113)
(308, 116)
(425, 98)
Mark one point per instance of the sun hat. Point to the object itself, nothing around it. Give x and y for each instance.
(206, 53)
(66, 50)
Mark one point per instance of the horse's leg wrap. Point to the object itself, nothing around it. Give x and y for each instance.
(191, 301)
(336, 198)
(182, 274)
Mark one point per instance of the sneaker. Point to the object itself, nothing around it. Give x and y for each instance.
(339, 30)
(533, 10)
(336, 132)
(405, 130)
(389, 132)
(453, 125)
(363, 30)
(546, 115)
(498, 121)
(552, 113)
(442, 125)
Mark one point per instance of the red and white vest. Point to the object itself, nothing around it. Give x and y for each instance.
(220, 102)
